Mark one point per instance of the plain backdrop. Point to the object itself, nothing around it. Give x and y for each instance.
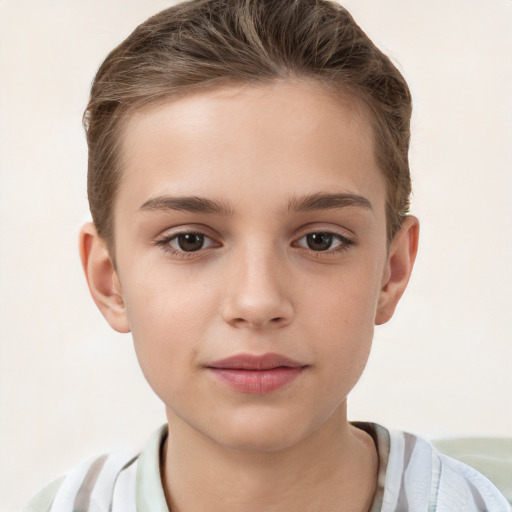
(70, 387)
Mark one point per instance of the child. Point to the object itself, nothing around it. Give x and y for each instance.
(249, 187)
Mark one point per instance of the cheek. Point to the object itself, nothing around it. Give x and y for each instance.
(343, 351)
(346, 328)
(342, 314)
(162, 299)
(168, 317)
(346, 299)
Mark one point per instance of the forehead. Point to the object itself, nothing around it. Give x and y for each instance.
(282, 137)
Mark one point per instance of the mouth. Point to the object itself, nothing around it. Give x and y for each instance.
(247, 373)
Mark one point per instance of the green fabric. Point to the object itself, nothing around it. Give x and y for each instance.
(490, 456)
(43, 500)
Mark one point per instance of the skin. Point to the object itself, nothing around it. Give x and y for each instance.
(257, 285)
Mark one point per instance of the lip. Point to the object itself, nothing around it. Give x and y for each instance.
(256, 374)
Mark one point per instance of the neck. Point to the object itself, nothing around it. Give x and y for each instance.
(336, 465)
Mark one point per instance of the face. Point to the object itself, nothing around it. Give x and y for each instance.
(251, 258)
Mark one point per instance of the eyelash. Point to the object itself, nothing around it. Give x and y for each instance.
(344, 243)
(165, 243)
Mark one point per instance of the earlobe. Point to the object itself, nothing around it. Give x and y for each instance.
(102, 278)
(398, 269)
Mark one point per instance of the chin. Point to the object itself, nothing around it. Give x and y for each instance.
(262, 432)
(260, 441)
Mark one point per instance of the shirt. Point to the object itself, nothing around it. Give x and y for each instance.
(412, 476)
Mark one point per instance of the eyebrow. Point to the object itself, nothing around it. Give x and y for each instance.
(306, 203)
(328, 202)
(187, 204)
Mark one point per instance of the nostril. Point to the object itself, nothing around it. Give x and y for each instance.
(258, 323)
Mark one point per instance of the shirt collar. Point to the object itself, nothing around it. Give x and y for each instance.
(150, 493)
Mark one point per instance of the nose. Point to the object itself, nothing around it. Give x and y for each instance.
(257, 292)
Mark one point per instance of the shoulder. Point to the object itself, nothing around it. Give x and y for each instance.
(94, 483)
(417, 476)
(474, 489)
(117, 482)
(43, 500)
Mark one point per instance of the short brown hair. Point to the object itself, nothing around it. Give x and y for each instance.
(208, 43)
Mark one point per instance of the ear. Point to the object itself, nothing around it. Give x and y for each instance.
(102, 278)
(402, 254)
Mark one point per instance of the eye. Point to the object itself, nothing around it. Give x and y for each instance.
(188, 242)
(323, 241)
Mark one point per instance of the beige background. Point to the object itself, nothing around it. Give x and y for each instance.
(70, 387)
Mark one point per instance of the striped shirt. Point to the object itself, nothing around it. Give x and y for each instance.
(413, 476)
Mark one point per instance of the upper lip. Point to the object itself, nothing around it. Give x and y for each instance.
(255, 362)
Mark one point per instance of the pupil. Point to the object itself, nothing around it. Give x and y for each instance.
(319, 241)
(190, 242)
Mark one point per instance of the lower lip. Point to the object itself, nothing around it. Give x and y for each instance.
(257, 381)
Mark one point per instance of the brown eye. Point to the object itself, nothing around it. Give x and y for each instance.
(319, 241)
(186, 243)
(190, 242)
(323, 241)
